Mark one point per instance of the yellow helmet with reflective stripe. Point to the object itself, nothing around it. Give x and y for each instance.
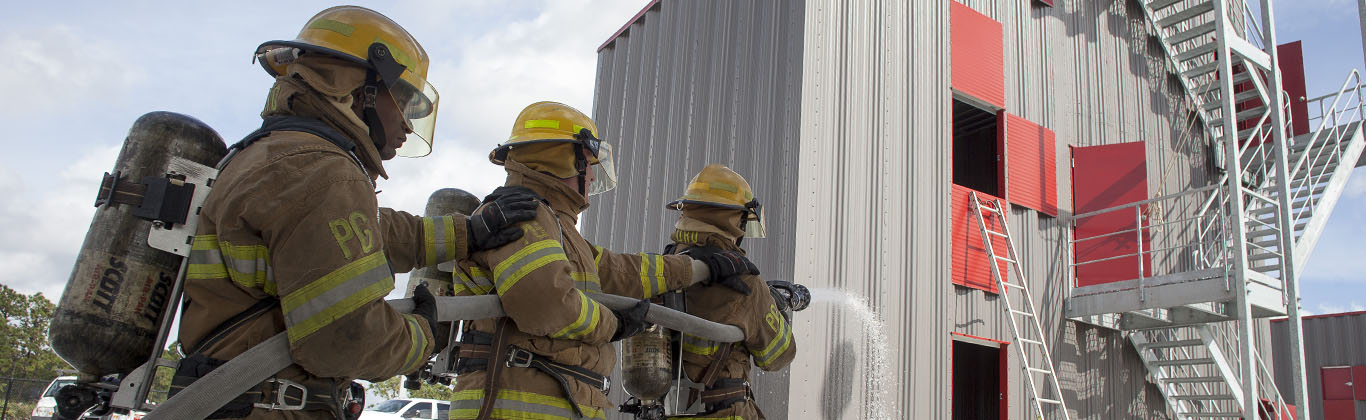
(719, 186)
(546, 123)
(375, 42)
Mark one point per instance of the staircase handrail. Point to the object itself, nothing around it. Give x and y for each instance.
(1264, 376)
(1348, 86)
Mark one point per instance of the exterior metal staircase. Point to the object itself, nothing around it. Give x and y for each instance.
(1214, 259)
(1029, 337)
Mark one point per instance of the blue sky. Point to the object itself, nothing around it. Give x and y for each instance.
(78, 73)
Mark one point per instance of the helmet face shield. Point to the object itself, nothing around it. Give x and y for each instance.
(754, 221)
(419, 109)
(604, 170)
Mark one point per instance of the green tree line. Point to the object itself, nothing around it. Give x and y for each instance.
(26, 357)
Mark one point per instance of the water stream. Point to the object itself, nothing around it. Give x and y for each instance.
(878, 379)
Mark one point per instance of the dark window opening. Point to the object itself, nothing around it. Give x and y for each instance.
(976, 381)
(975, 143)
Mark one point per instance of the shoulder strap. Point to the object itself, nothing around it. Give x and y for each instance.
(308, 125)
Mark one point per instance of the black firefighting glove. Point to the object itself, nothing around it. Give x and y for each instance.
(631, 321)
(495, 224)
(725, 267)
(424, 305)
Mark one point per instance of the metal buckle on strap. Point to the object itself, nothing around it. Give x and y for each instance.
(281, 390)
(520, 358)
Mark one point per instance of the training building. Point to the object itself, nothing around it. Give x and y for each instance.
(1130, 146)
(1335, 363)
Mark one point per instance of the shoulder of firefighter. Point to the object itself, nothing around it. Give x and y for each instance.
(295, 218)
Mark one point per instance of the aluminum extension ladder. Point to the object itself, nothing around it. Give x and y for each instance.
(1003, 284)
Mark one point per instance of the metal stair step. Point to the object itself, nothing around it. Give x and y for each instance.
(1261, 256)
(1240, 97)
(1195, 379)
(1174, 343)
(1196, 52)
(1209, 397)
(1201, 70)
(1185, 15)
(1252, 113)
(1212, 86)
(1158, 5)
(1225, 414)
(1192, 33)
(1184, 362)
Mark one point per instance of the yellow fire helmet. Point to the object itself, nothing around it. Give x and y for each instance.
(545, 123)
(719, 186)
(375, 42)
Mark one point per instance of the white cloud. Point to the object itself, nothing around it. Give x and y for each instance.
(1356, 186)
(47, 222)
(53, 67)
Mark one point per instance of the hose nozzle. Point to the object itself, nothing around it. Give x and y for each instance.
(791, 297)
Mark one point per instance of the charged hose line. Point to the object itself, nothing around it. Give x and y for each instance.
(248, 369)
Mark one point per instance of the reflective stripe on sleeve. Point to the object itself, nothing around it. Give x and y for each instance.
(476, 281)
(249, 266)
(587, 282)
(776, 346)
(439, 236)
(336, 294)
(597, 259)
(651, 277)
(508, 272)
(205, 260)
(416, 356)
(519, 405)
(589, 315)
(699, 346)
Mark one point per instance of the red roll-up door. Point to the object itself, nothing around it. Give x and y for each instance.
(1032, 165)
(978, 63)
(1104, 177)
(970, 259)
(1291, 56)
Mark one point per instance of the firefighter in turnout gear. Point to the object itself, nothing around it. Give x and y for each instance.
(292, 238)
(551, 356)
(718, 211)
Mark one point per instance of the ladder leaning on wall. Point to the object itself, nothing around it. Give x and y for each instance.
(1026, 313)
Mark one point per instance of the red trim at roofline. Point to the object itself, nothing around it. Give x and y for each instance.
(1324, 316)
(628, 24)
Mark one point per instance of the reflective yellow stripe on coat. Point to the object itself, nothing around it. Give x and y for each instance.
(246, 265)
(519, 405)
(336, 294)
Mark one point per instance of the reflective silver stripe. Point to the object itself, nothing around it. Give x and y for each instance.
(507, 276)
(439, 238)
(208, 256)
(524, 407)
(338, 294)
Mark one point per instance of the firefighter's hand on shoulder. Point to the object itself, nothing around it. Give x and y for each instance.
(725, 267)
(631, 321)
(424, 305)
(496, 224)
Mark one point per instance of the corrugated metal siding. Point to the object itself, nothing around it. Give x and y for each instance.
(698, 82)
(1328, 341)
(875, 180)
(859, 201)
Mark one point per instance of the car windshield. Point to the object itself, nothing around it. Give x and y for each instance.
(56, 385)
(391, 406)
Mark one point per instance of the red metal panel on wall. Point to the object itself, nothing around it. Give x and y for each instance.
(970, 260)
(1359, 374)
(1291, 55)
(1337, 383)
(1104, 177)
(1033, 165)
(978, 63)
(1340, 410)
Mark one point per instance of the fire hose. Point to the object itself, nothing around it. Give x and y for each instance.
(248, 369)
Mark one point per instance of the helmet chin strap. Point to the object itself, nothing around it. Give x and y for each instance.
(371, 114)
(581, 165)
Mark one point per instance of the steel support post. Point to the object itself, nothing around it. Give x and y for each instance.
(1290, 277)
(1247, 360)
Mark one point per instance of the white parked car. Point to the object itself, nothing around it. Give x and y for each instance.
(408, 408)
(47, 405)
